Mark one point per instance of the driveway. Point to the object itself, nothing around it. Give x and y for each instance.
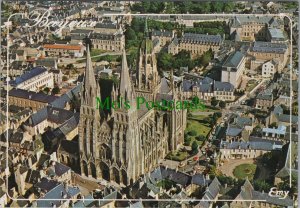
(228, 166)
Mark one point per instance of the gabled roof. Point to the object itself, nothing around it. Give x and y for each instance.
(234, 60)
(27, 76)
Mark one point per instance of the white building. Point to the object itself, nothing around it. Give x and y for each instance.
(34, 80)
(269, 69)
(233, 69)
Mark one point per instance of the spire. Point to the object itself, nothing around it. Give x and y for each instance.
(125, 85)
(89, 78)
(91, 88)
(146, 31)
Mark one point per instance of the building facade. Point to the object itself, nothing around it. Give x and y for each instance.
(197, 44)
(128, 142)
(64, 50)
(34, 80)
(233, 69)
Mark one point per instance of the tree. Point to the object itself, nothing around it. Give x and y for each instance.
(55, 90)
(64, 78)
(46, 90)
(130, 34)
(222, 104)
(194, 147)
(214, 102)
(200, 138)
(262, 185)
(217, 7)
(187, 140)
(193, 133)
(165, 61)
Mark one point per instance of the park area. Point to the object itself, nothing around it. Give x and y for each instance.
(197, 131)
(245, 171)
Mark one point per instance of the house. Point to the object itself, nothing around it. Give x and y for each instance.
(34, 80)
(248, 197)
(267, 51)
(277, 116)
(34, 100)
(269, 69)
(264, 100)
(246, 150)
(211, 194)
(274, 133)
(64, 50)
(233, 68)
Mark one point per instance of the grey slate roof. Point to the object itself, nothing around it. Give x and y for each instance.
(242, 20)
(36, 96)
(163, 173)
(223, 86)
(276, 34)
(24, 77)
(233, 130)
(201, 39)
(164, 33)
(267, 47)
(266, 145)
(234, 59)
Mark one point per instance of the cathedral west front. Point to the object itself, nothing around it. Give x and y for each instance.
(123, 144)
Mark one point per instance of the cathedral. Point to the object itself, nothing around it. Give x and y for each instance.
(124, 144)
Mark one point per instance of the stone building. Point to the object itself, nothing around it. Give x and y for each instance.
(250, 28)
(34, 80)
(126, 143)
(233, 68)
(266, 51)
(34, 100)
(197, 44)
(108, 42)
(163, 36)
(269, 69)
(264, 100)
(246, 150)
(64, 50)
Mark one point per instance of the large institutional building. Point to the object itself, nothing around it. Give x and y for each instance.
(125, 143)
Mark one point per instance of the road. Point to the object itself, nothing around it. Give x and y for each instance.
(66, 61)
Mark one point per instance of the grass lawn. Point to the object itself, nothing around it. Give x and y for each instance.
(251, 85)
(198, 124)
(178, 155)
(244, 170)
(96, 52)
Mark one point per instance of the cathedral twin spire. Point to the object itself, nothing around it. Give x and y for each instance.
(91, 88)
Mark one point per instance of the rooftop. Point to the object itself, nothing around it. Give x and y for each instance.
(63, 46)
(29, 75)
(234, 59)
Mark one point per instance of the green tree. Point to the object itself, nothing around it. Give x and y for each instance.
(214, 102)
(165, 61)
(222, 104)
(262, 185)
(55, 90)
(194, 147)
(130, 34)
(217, 6)
(187, 140)
(193, 133)
(64, 78)
(228, 7)
(47, 90)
